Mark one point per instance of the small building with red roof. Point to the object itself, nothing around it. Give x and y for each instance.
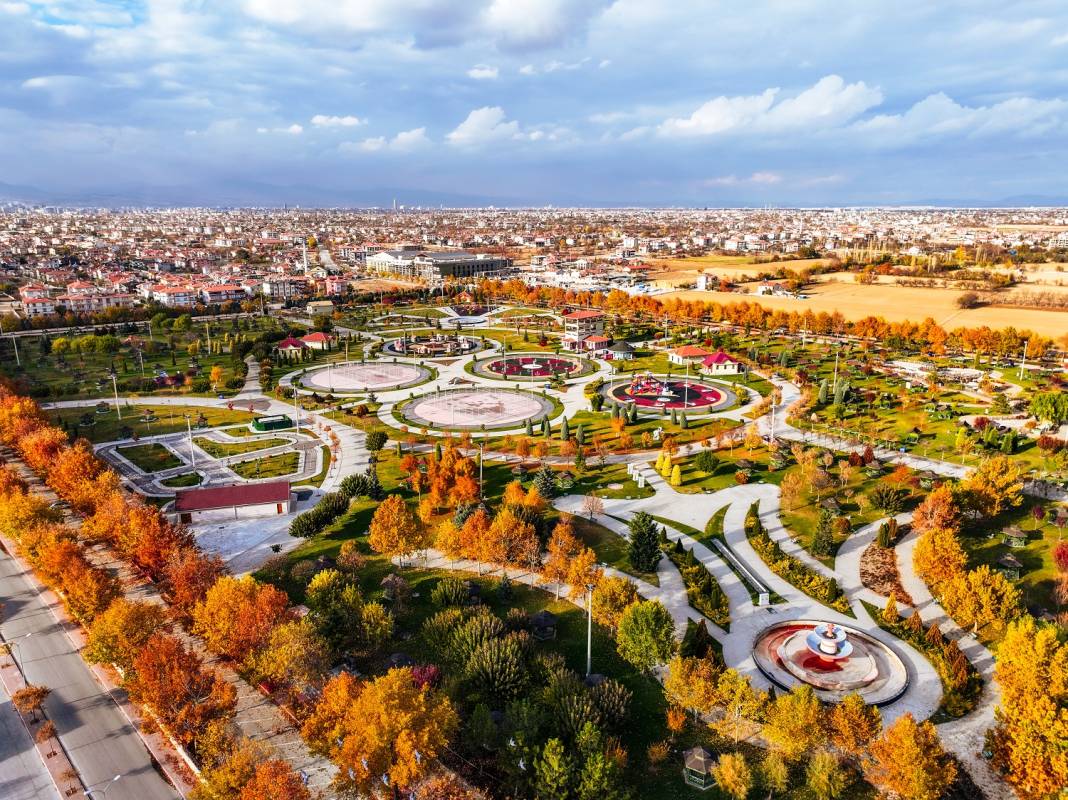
(688, 354)
(235, 501)
(290, 345)
(318, 340)
(721, 363)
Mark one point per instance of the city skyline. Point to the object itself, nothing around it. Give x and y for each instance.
(565, 103)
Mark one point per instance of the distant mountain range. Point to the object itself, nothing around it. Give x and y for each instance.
(258, 194)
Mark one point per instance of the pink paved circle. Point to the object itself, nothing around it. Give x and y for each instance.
(355, 377)
(472, 408)
(532, 366)
(647, 391)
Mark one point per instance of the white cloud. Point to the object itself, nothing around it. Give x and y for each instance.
(939, 115)
(605, 62)
(528, 69)
(1061, 40)
(608, 117)
(409, 140)
(326, 121)
(482, 72)
(292, 130)
(830, 102)
(403, 142)
(529, 24)
(757, 179)
(486, 124)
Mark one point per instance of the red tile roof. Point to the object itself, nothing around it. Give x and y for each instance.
(690, 351)
(318, 336)
(719, 357)
(290, 343)
(241, 494)
(583, 315)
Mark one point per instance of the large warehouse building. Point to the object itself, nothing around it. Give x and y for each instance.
(434, 265)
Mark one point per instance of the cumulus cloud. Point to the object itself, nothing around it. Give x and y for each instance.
(757, 179)
(534, 24)
(939, 115)
(828, 103)
(293, 130)
(483, 125)
(482, 72)
(327, 121)
(405, 141)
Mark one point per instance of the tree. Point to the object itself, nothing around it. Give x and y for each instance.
(295, 654)
(733, 776)
(394, 531)
(1049, 406)
(613, 596)
(981, 597)
(995, 485)
(553, 772)
(825, 776)
(545, 483)
(644, 550)
(170, 680)
(853, 724)
(592, 505)
(393, 728)
(274, 778)
(691, 684)
(938, 557)
(339, 614)
(646, 635)
(30, 698)
(376, 440)
(823, 539)
(117, 635)
(238, 614)
(583, 573)
(740, 702)
(324, 725)
(908, 760)
(228, 764)
(562, 548)
(188, 575)
(1032, 718)
(794, 724)
(775, 773)
(475, 542)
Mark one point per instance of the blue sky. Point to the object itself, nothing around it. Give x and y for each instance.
(795, 102)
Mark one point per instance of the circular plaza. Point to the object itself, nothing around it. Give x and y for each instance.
(834, 660)
(369, 376)
(658, 393)
(533, 366)
(475, 409)
(432, 345)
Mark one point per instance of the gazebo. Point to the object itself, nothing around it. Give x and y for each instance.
(1010, 566)
(1014, 537)
(543, 625)
(697, 768)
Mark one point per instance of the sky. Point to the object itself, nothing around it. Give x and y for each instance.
(534, 102)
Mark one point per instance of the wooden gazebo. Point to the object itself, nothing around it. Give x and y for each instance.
(697, 767)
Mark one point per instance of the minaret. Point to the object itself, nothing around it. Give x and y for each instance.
(304, 248)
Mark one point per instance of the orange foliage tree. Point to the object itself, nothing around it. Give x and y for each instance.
(238, 614)
(274, 779)
(907, 760)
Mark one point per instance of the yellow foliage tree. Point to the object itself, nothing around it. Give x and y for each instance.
(794, 724)
(1032, 719)
(938, 557)
(691, 683)
(907, 760)
(995, 485)
(394, 531)
(853, 724)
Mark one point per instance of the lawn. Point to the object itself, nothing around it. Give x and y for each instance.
(268, 467)
(984, 544)
(694, 481)
(182, 481)
(611, 548)
(142, 420)
(224, 449)
(151, 457)
(318, 478)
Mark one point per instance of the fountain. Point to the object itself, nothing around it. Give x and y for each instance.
(833, 659)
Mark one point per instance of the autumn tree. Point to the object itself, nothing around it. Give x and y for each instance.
(825, 777)
(171, 681)
(938, 557)
(939, 509)
(238, 614)
(646, 635)
(1032, 718)
(995, 485)
(30, 698)
(794, 724)
(394, 531)
(395, 728)
(907, 760)
(118, 634)
(733, 776)
(583, 573)
(295, 654)
(511, 537)
(853, 724)
(691, 684)
(188, 576)
(274, 778)
(340, 615)
(613, 596)
(981, 597)
(740, 703)
(324, 727)
(562, 548)
(475, 541)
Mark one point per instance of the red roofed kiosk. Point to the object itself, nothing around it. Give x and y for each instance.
(236, 501)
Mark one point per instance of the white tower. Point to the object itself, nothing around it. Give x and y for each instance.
(304, 249)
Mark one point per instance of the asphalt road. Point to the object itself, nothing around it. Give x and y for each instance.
(22, 773)
(99, 740)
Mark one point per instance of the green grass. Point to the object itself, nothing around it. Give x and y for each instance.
(600, 479)
(107, 427)
(151, 457)
(611, 548)
(694, 481)
(224, 449)
(182, 481)
(268, 467)
(714, 527)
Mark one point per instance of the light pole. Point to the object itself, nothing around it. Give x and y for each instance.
(115, 386)
(589, 629)
(92, 791)
(13, 643)
(189, 430)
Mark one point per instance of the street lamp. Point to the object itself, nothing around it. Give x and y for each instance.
(14, 643)
(95, 792)
(189, 430)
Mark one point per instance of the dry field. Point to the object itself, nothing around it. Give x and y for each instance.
(679, 271)
(382, 285)
(897, 304)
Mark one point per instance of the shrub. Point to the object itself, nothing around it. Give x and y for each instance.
(449, 592)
